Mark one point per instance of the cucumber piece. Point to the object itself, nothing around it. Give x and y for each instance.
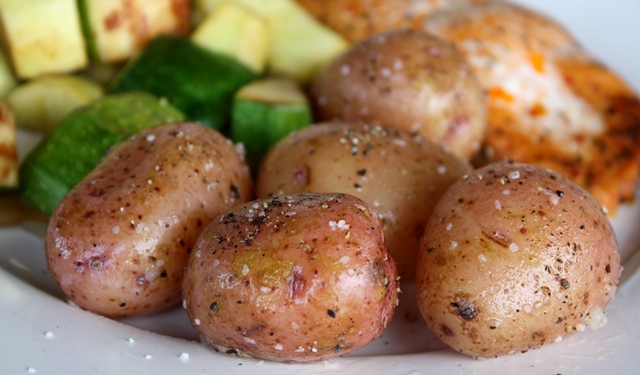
(198, 82)
(267, 110)
(116, 30)
(299, 45)
(233, 31)
(41, 103)
(43, 36)
(8, 150)
(82, 139)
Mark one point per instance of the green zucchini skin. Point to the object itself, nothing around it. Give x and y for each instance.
(82, 139)
(198, 82)
(261, 125)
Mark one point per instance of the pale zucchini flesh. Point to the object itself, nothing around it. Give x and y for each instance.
(41, 103)
(236, 32)
(8, 150)
(43, 36)
(299, 45)
(116, 30)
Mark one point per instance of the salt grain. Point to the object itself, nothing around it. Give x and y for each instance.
(449, 226)
(31, 370)
(131, 341)
(498, 205)
(49, 335)
(453, 245)
(345, 70)
(196, 321)
(514, 247)
(148, 357)
(245, 270)
(151, 138)
(184, 357)
(277, 347)
(442, 169)
(482, 258)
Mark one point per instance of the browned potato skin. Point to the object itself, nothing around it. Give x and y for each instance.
(402, 176)
(515, 257)
(118, 243)
(407, 80)
(284, 279)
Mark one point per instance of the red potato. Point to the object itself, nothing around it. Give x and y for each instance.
(297, 278)
(400, 175)
(408, 80)
(118, 243)
(515, 257)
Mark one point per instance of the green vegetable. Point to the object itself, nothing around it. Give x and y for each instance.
(233, 31)
(41, 103)
(198, 82)
(116, 30)
(267, 110)
(82, 139)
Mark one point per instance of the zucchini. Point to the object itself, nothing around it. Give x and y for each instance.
(43, 36)
(233, 31)
(116, 30)
(198, 82)
(299, 45)
(82, 139)
(41, 103)
(265, 111)
(8, 150)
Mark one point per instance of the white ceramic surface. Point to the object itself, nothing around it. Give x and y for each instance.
(42, 334)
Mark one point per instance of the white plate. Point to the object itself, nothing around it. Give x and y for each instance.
(40, 333)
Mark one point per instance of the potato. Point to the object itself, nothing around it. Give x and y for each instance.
(407, 80)
(118, 243)
(400, 175)
(298, 278)
(515, 257)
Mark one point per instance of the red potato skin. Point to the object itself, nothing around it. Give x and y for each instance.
(515, 257)
(274, 279)
(408, 80)
(118, 243)
(401, 175)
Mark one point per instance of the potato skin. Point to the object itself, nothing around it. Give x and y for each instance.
(407, 80)
(118, 243)
(298, 278)
(401, 175)
(515, 257)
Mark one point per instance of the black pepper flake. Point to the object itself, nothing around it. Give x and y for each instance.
(564, 283)
(608, 268)
(560, 193)
(331, 313)
(357, 186)
(582, 227)
(339, 347)
(431, 249)
(235, 194)
(123, 304)
(213, 307)
(362, 172)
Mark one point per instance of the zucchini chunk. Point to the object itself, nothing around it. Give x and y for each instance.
(43, 36)
(82, 139)
(267, 110)
(299, 45)
(116, 30)
(231, 30)
(198, 82)
(8, 150)
(41, 103)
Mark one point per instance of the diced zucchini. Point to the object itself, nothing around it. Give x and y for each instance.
(81, 140)
(116, 30)
(233, 31)
(41, 103)
(198, 82)
(8, 150)
(7, 79)
(299, 45)
(43, 36)
(267, 110)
